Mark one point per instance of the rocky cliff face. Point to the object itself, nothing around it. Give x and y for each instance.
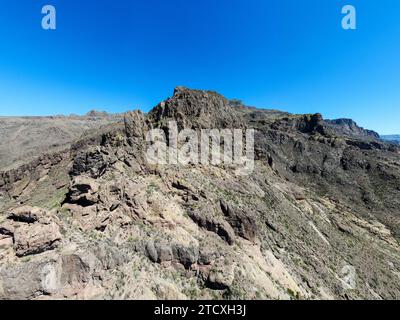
(196, 109)
(349, 127)
(317, 219)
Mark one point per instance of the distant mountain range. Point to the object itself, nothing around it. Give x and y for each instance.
(392, 137)
(24, 138)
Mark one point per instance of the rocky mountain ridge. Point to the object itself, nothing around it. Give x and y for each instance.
(317, 219)
(23, 138)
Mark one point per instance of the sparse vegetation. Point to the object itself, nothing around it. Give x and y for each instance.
(248, 237)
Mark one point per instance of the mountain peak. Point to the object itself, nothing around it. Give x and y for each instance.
(196, 108)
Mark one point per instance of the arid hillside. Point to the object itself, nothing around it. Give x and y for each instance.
(24, 138)
(317, 218)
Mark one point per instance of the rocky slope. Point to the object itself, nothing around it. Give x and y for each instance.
(317, 219)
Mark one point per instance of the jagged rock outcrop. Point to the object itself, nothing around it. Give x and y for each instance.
(32, 231)
(135, 124)
(27, 214)
(244, 223)
(83, 191)
(309, 123)
(213, 224)
(350, 127)
(195, 109)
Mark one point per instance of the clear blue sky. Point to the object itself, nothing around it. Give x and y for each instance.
(117, 55)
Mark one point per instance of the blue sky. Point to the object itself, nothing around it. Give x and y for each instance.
(117, 55)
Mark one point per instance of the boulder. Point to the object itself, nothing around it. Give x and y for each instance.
(164, 252)
(187, 256)
(242, 222)
(151, 251)
(26, 214)
(36, 238)
(74, 270)
(58, 277)
(83, 191)
(25, 281)
(135, 125)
